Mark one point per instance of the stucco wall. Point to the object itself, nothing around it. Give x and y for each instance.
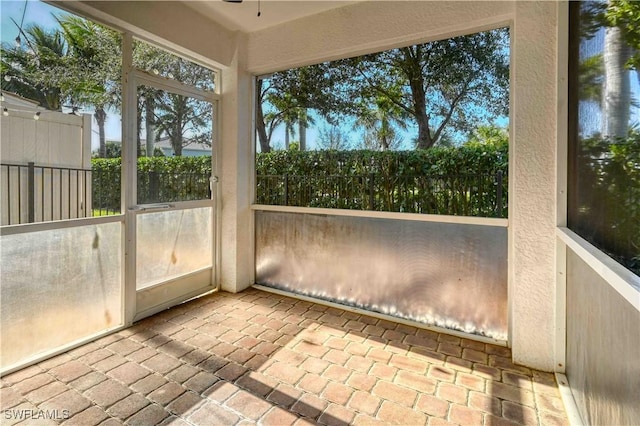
(167, 22)
(368, 27)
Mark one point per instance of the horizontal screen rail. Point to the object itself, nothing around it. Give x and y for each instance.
(466, 220)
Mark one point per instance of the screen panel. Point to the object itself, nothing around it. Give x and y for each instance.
(58, 286)
(448, 275)
(173, 243)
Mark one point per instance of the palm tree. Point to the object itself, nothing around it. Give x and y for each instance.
(183, 120)
(33, 69)
(288, 132)
(625, 15)
(380, 121)
(95, 56)
(617, 87)
(79, 63)
(303, 123)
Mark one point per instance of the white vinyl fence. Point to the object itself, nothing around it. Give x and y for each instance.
(45, 171)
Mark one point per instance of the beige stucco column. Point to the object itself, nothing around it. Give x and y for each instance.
(532, 184)
(235, 168)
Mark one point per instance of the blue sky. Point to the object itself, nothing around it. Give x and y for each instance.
(36, 12)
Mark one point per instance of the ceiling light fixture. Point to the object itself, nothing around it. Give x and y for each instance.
(240, 1)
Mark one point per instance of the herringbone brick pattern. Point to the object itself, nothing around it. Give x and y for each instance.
(256, 357)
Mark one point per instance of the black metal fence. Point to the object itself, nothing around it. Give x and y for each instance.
(162, 187)
(153, 187)
(467, 195)
(32, 193)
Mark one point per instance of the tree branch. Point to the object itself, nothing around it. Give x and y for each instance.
(390, 96)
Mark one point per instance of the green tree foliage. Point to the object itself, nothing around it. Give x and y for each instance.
(114, 150)
(457, 82)
(159, 179)
(622, 15)
(606, 195)
(285, 97)
(591, 78)
(489, 135)
(609, 197)
(79, 64)
(182, 119)
(625, 14)
(381, 119)
(94, 67)
(32, 69)
(454, 181)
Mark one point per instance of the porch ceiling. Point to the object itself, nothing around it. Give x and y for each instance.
(243, 16)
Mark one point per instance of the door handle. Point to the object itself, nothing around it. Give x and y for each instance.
(147, 207)
(212, 180)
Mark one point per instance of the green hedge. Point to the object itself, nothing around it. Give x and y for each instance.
(105, 185)
(160, 179)
(457, 181)
(468, 159)
(454, 181)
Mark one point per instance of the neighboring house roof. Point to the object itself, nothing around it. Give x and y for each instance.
(165, 145)
(15, 100)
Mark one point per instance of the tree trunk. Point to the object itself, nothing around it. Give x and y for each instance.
(138, 128)
(416, 82)
(176, 144)
(287, 127)
(424, 134)
(176, 137)
(385, 130)
(150, 125)
(303, 129)
(617, 87)
(260, 126)
(101, 118)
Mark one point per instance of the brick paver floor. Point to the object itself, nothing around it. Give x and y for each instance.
(256, 357)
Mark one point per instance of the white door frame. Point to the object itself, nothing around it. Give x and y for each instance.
(131, 79)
